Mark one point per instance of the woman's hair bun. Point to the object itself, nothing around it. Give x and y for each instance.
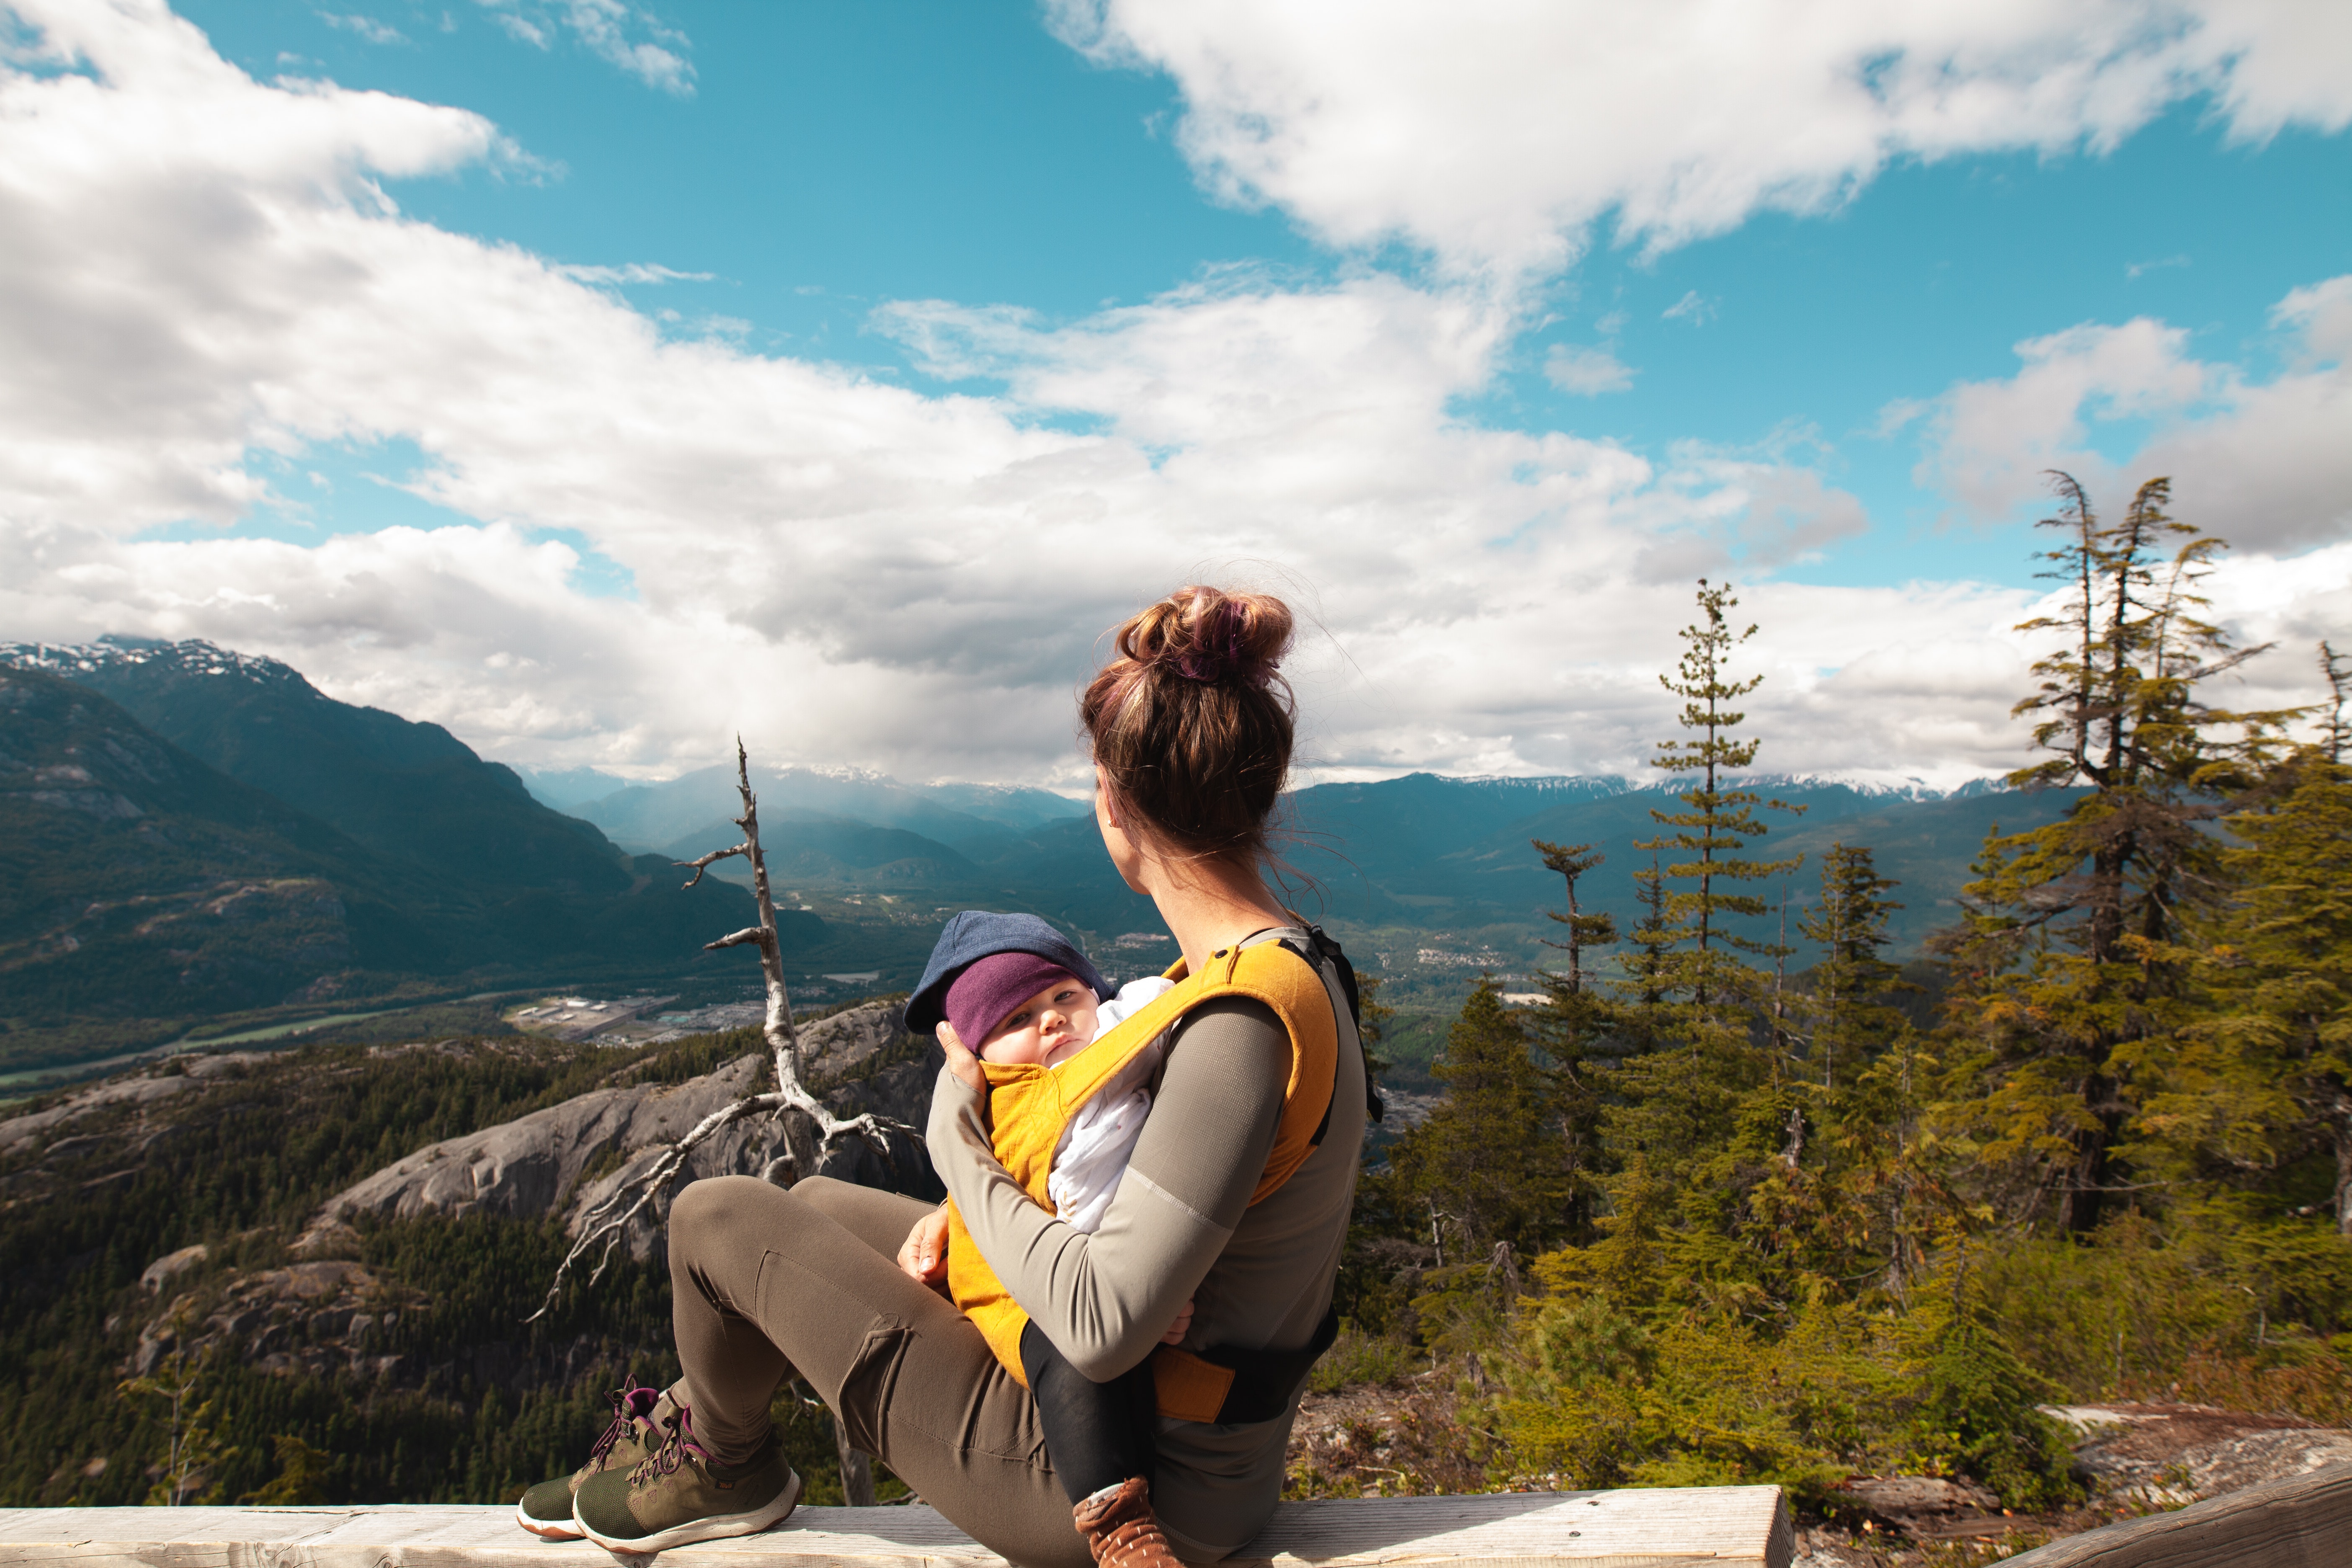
(1190, 722)
(1208, 635)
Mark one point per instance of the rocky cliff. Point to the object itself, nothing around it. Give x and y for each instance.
(318, 1307)
(566, 1158)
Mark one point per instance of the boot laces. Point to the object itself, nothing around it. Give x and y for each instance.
(624, 1418)
(667, 1456)
(676, 1444)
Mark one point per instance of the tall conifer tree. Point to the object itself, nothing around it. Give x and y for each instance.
(2069, 963)
(1576, 1031)
(2262, 1080)
(1879, 1203)
(2336, 670)
(1691, 993)
(1481, 1165)
(1849, 1014)
(1718, 819)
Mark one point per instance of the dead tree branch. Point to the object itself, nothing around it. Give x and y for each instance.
(808, 1124)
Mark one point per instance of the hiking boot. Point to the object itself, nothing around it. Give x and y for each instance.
(678, 1493)
(638, 1413)
(1120, 1529)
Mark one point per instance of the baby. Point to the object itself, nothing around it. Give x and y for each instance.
(1015, 993)
(1046, 1028)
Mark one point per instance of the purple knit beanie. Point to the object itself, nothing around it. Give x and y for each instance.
(986, 993)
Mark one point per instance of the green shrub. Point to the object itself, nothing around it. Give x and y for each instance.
(2130, 1308)
(1606, 1396)
(1975, 1412)
(1358, 1360)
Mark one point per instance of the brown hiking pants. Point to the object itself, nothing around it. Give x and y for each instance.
(767, 1281)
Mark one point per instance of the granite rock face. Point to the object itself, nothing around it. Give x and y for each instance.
(33, 1132)
(306, 1317)
(171, 1266)
(566, 1158)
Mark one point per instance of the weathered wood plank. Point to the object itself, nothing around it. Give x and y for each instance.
(2304, 1522)
(1712, 1527)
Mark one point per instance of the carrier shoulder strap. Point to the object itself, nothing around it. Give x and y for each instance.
(1320, 947)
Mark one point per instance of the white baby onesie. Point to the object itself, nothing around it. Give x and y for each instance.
(1096, 1145)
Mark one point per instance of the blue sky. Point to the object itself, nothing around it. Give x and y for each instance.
(830, 158)
(1084, 237)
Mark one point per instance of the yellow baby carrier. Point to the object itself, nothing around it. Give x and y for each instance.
(1029, 1106)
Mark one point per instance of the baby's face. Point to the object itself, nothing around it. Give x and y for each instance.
(1049, 1027)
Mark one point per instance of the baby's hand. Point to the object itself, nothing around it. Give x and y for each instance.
(961, 1061)
(1179, 1328)
(924, 1255)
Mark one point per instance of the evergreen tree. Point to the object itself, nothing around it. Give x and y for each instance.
(2070, 961)
(2337, 672)
(1850, 1018)
(1691, 994)
(2262, 1080)
(1702, 1127)
(1879, 1210)
(193, 1452)
(1575, 1030)
(1716, 820)
(1644, 993)
(1584, 929)
(301, 1478)
(1481, 1166)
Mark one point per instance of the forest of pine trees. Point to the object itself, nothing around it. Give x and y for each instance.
(1705, 1217)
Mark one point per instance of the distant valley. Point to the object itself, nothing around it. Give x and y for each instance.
(199, 843)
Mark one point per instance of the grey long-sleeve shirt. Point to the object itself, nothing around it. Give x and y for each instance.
(1181, 1227)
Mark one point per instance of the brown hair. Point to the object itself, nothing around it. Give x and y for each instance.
(1192, 721)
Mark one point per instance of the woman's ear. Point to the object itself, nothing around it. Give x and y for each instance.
(1127, 856)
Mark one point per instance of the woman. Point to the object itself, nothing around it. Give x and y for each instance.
(1190, 726)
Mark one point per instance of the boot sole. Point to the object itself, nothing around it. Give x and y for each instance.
(713, 1527)
(547, 1528)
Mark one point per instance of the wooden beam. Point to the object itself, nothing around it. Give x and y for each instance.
(2304, 1522)
(1666, 1527)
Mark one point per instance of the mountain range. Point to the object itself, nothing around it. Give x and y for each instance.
(1421, 861)
(980, 817)
(196, 839)
(187, 833)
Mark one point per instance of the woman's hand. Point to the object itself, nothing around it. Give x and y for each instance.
(924, 1256)
(1179, 1328)
(961, 1061)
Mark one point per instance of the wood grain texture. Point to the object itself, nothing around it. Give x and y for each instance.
(1709, 1527)
(2304, 1522)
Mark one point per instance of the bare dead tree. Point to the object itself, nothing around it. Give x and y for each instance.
(2338, 671)
(808, 1124)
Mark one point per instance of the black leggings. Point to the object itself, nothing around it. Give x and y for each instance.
(1096, 1434)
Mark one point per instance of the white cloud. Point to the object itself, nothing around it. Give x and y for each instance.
(1586, 371)
(367, 27)
(521, 29)
(1991, 441)
(633, 272)
(204, 283)
(2321, 315)
(605, 27)
(1495, 134)
(2139, 269)
(1693, 307)
(2267, 465)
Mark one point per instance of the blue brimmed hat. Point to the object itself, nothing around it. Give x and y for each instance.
(973, 934)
